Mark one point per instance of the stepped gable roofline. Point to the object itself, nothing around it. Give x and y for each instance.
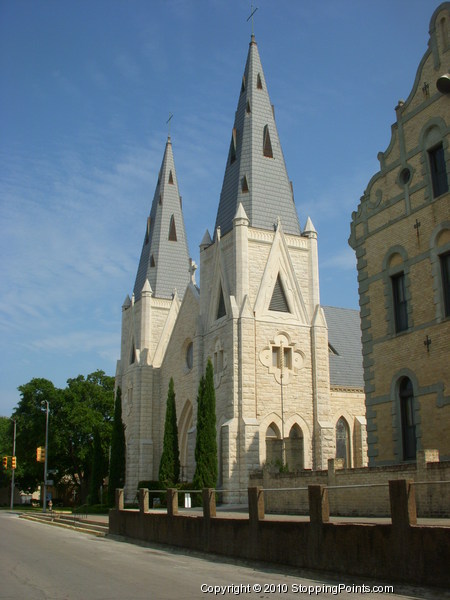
(255, 172)
(164, 260)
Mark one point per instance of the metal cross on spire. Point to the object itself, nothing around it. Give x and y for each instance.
(253, 10)
(168, 123)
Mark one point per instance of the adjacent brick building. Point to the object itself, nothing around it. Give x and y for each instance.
(401, 235)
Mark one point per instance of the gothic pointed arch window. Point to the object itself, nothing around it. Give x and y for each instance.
(152, 261)
(171, 178)
(244, 185)
(184, 428)
(232, 153)
(172, 230)
(294, 449)
(267, 144)
(406, 397)
(273, 445)
(132, 354)
(343, 441)
(221, 310)
(259, 82)
(279, 301)
(147, 231)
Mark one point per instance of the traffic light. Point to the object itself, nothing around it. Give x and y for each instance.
(40, 454)
(5, 462)
(13, 462)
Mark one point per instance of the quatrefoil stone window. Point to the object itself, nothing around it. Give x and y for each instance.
(281, 358)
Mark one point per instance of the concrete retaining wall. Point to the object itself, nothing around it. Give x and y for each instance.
(400, 551)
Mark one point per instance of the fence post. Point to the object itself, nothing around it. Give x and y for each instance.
(403, 503)
(319, 508)
(172, 502)
(255, 504)
(209, 502)
(119, 499)
(143, 500)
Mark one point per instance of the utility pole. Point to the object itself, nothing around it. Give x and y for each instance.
(13, 470)
(44, 504)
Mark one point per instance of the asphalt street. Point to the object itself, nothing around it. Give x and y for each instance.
(43, 562)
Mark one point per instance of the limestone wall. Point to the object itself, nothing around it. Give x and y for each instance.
(288, 493)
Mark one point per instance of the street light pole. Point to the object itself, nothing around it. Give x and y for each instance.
(44, 504)
(13, 470)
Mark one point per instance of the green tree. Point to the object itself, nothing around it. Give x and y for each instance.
(169, 466)
(206, 469)
(30, 417)
(97, 473)
(117, 460)
(86, 404)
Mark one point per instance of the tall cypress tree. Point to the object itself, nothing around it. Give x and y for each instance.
(169, 467)
(117, 460)
(206, 469)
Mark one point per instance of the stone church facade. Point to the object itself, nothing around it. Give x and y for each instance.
(401, 236)
(287, 371)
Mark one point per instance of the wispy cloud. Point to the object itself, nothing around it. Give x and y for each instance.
(344, 260)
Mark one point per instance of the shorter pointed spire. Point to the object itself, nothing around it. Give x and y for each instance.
(164, 261)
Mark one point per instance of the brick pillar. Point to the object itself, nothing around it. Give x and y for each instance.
(143, 500)
(209, 502)
(255, 504)
(403, 503)
(172, 502)
(119, 499)
(319, 509)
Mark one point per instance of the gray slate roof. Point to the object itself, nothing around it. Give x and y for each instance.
(269, 194)
(170, 258)
(344, 335)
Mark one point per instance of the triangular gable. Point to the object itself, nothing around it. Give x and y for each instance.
(279, 289)
(167, 331)
(220, 302)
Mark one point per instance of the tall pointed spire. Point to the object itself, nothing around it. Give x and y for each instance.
(164, 257)
(255, 173)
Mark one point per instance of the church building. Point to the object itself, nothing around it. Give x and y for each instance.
(287, 371)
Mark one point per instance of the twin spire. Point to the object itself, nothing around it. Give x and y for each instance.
(255, 176)
(255, 173)
(165, 257)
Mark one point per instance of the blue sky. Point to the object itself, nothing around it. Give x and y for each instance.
(86, 88)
